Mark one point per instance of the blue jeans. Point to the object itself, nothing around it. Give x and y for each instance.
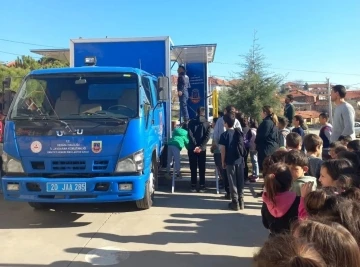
(173, 153)
(254, 162)
(183, 99)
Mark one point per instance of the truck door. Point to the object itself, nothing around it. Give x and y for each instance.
(151, 119)
(159, 116)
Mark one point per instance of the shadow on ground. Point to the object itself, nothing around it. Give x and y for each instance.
(21, 216)
(205, 201)
(229, 229)
(153, 258)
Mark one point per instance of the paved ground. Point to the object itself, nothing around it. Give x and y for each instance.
(182, 229)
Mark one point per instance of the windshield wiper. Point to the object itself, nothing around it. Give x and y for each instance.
(102, 114)
(66, 125)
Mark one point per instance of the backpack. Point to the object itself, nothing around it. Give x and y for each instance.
(237, 145)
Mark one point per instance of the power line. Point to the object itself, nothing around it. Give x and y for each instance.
(4, 52)
(216, 62)
(19, 42)
(312, 71)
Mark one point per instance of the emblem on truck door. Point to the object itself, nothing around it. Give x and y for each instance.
(96, 146)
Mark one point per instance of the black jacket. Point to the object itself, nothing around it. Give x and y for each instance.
(199, 133)
(267, 137)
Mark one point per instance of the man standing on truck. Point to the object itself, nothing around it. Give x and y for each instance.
(199, 135)
(183, 85)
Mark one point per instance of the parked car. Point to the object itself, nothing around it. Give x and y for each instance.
(357, 129)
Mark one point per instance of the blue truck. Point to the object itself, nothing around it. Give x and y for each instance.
(93, 132)
(96, 131)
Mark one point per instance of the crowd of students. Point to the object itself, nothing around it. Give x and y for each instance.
(311, 201)
(311, 188)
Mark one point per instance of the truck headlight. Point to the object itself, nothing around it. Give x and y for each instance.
(133, 163)
(11, 165)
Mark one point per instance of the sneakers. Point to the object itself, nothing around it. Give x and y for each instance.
(241, 203)
(234, 206)
(237, 205)
(202, 189)
(254, 178)
(168, 176)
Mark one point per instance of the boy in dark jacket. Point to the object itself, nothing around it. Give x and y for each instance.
(313, 145)
(233, 160)
(289, 109)
(199, 135)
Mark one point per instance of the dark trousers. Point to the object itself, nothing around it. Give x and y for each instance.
(221, 171)
(197, 160)
(183, 99)
(236, 181)
(246, 168)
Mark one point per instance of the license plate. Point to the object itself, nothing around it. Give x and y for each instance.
(66, 187)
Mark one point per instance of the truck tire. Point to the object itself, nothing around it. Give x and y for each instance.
(148, 199)
(39, 205)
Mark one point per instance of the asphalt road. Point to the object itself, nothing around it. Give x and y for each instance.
(182, 229)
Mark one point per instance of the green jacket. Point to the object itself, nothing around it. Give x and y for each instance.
(179, 138)
(296, 185)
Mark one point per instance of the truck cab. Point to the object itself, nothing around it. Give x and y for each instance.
(91, 135)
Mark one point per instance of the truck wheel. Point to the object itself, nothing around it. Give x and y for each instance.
(148, 199)
(39, 205)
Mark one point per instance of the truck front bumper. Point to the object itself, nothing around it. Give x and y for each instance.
(74, 190)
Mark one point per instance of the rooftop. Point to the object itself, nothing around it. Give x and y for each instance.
(308, 114)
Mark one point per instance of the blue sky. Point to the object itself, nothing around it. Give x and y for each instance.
(311, 35)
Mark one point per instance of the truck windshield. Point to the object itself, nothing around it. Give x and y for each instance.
(71, 96)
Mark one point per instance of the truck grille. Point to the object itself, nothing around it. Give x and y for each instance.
(69, 165)
(99, 165)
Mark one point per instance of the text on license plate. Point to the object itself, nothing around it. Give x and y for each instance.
(66, 187)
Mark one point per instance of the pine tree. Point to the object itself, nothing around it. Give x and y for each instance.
(257, 87)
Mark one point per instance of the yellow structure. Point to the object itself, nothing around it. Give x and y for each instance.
(215, 103)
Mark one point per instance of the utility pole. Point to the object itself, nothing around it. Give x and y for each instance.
(329, 100)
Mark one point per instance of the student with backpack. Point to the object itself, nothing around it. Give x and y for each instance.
(232, 157)
(251, 147)
(245, 129)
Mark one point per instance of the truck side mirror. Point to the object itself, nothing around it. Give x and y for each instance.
(163, 88)
(6, 83)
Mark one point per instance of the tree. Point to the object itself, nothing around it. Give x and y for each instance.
(299, 84)
(258, 87)
(306, 86)
(223, 99)
(23, 65)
